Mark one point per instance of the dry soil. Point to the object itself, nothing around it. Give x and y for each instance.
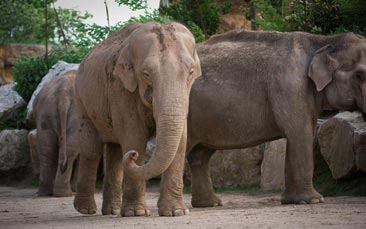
(21, 208)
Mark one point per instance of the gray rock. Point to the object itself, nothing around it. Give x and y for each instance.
(10, 102)
(55, 71)
(273, 165)
(14, 149)
(234, 168)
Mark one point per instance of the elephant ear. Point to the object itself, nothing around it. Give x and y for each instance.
(124, 70)
(197, 69)
(322, 67)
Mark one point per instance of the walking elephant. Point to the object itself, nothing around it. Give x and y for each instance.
(261, 86)
(56, 146)
(132, 86)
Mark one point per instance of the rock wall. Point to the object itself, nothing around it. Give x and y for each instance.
(9, 53)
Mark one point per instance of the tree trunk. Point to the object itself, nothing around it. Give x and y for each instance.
(342, 141)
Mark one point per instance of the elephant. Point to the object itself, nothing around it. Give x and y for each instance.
(132, 86)
(56, 146)
(261, 86)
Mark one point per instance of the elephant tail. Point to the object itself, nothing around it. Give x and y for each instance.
(63, 112)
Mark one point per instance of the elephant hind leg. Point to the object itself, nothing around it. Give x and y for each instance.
(202, 189)
(62, 187)
(47, 147)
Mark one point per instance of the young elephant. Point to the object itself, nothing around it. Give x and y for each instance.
(261, 86)
(131, 86)
(56, 145)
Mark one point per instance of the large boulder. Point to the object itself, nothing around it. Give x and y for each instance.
(273, 165)
(342, 141)
(55, 71)
(234, 168)
(14, 150)
(10, 102)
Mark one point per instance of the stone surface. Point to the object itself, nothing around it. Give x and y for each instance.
(342, 141)
(9, 53)
(234, 168)
(10, 102)
(14, 149)
(55, 71)
(273, 165)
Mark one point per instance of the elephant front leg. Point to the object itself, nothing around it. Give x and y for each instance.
(90, 154)
(113, 176)
(170, 202)
(202, 189)
(299, 167)
(47, 149)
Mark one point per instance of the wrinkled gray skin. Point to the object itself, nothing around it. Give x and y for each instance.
(261, 86)
(56, 145)
(132, 86)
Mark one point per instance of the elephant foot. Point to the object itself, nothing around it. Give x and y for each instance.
(311, 197)
(85, 204)
(130, 210)
(62, 192)
(173, 208)
(204, 201)
(45, 190)
(110, 208)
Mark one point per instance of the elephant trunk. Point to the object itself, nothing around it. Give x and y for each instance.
(170, 122)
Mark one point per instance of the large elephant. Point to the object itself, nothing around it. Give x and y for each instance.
(56, 145)
(131, 86)
(261, 86)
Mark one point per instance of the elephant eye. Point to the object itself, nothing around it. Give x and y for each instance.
(191, 71)
(146, 76)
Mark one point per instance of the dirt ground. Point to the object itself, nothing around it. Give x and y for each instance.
(21, 208)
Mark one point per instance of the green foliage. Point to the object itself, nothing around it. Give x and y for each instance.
(28, 72)
(271, 18)
(352, 15)
(17, 121)
(72, 23)
(205, 14)
(133, 4)
(23, 21)
(196, 31)
(315, 16)
(20, 21)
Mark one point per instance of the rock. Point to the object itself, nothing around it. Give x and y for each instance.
(150, 149)
(14, 149)
(342, 141)
(10, 52)
(10, 102)
(55, 71)
(273, 165)
(234, 168)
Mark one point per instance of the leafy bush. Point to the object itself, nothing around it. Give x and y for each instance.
(28, 72)
(205, 14)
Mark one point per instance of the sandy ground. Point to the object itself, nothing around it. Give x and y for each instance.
(21, 208)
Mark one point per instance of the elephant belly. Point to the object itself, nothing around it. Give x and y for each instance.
(236, 121)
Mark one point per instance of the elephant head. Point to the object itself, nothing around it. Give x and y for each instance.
(161, 62)
(339, 69)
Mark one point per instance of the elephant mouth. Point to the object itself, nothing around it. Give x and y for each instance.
(364, 116)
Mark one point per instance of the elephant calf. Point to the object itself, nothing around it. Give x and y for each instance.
(56, 145)
(261, 86)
